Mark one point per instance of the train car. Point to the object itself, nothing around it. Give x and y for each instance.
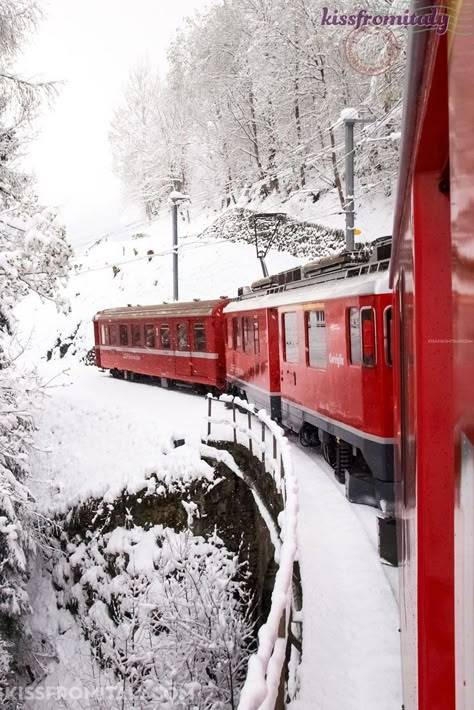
(336, 380)
(432, 274)
(331, 343)
(252, 359)
(176, 342)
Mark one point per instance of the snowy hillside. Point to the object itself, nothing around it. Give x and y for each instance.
(134, 266)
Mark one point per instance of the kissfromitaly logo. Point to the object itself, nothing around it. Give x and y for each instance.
(435, 20)
(374, 42)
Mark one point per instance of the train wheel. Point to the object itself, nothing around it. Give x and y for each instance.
(309, 436)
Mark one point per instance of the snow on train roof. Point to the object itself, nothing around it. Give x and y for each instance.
(365, 285)
(190, 308)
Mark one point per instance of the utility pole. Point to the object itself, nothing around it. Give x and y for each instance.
(349, 122)
(176, 198)
(349, 204)
(174, 213)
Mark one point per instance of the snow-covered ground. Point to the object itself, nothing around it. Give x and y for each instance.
(97, 433)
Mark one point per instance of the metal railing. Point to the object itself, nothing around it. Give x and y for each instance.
(235, 420)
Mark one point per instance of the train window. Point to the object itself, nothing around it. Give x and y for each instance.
(123, 331)
(165, 337)
(256, 335)
(387, 335)
(355, 345)
(290, 329)
(247, 335)
(229, 334)
(114, 340)
(103, 331)
(367, 326)
(149, 335)
(237, 333)
(199, 337)
(136, 334)
(316, 335)
(182, 333)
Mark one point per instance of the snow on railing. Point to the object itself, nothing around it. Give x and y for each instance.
(264, 686)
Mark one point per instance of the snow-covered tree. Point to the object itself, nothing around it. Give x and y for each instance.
(253, 97)
(34, 256)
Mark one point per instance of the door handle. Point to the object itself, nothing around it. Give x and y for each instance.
(294, 378)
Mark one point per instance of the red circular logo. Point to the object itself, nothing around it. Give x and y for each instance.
(371, 50)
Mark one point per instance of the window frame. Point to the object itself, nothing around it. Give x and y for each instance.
(256, 334)
(134, 328)
(161, 328)
(246, 335)
(374, 321)
(114, 335)
(178, 340)
(349, 336)
(307, 329)
(149, 329)
(202, 325)
(124, 342)
(388, 336)
(229, 334)
(284, 338)
(237, 332)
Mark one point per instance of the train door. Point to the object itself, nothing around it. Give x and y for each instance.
(199, 360)
(289, 359)
(183, 349)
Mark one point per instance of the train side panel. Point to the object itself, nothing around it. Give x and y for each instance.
(461, 121)
(421, 275)
(336, 375)
(252, 360)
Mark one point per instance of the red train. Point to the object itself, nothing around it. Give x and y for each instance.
(322, 363)
(311, 345)
(355, 364)
(432, 276)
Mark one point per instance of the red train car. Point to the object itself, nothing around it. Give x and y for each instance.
(336, 380)
(178, 342)
(432, 274)
(326, 365)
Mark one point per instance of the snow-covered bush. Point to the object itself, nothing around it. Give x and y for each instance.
(167, 612)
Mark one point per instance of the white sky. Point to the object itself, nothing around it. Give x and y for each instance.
(91, 45)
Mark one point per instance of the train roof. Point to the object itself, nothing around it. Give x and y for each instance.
(365, 285)
(178, 309)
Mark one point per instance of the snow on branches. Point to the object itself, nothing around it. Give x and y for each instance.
(165, 611)
(34, 255)
(251, 105)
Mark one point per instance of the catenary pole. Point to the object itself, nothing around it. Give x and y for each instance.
(175, 199)
(349, 203)
(349, 123)
(174, 212)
